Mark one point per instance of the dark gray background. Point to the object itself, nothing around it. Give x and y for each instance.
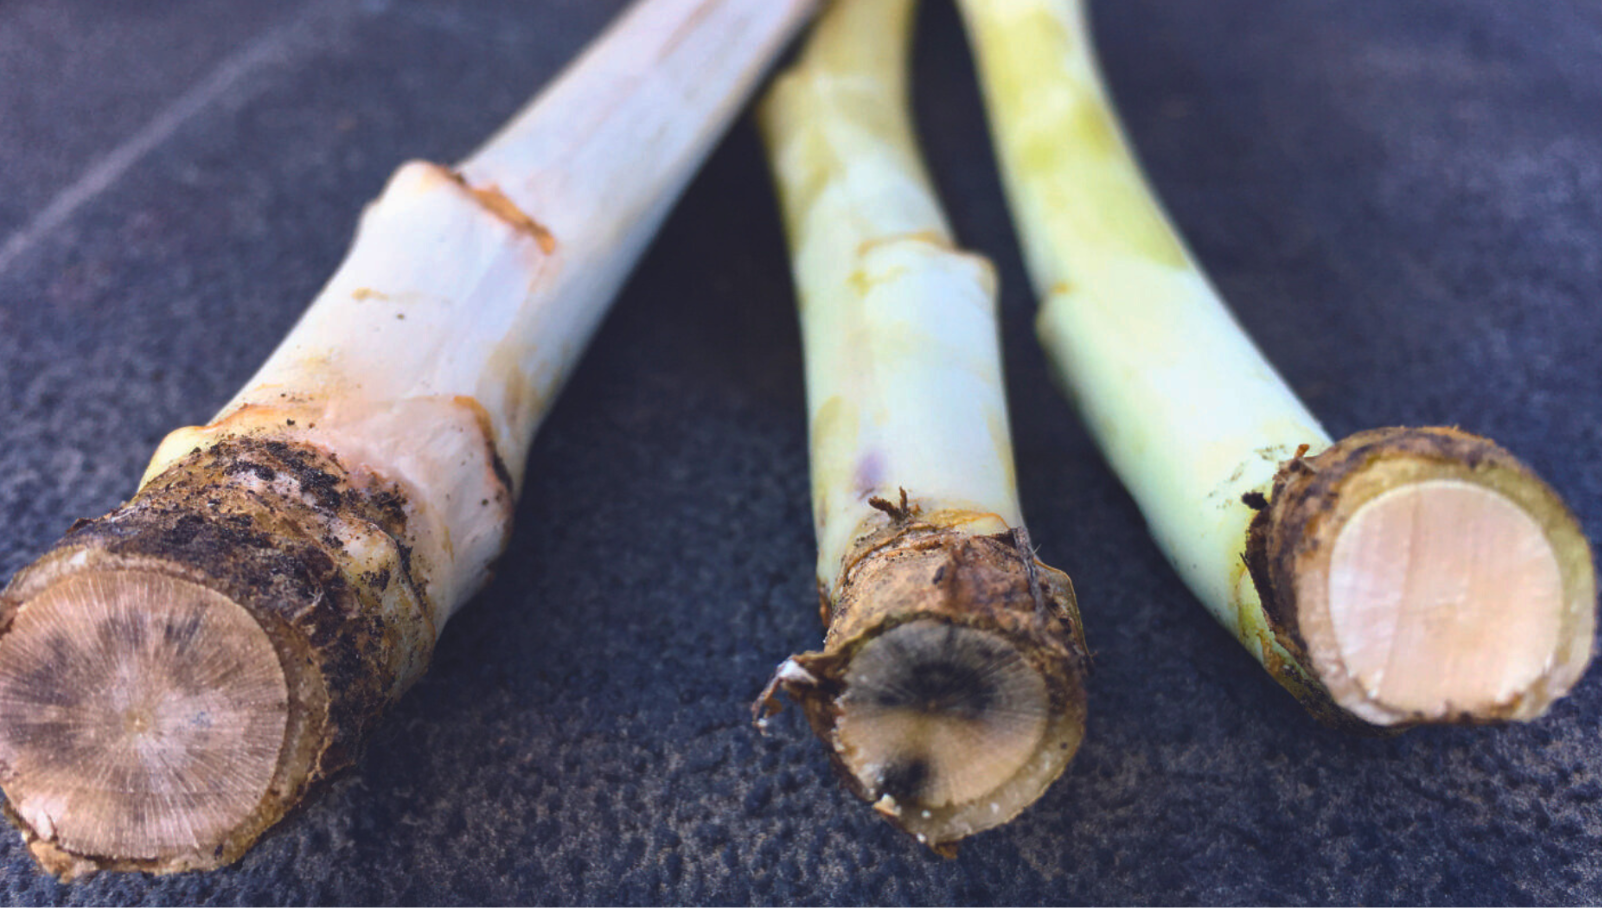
(1403, 200)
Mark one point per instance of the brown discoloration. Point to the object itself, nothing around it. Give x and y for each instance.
(362, 294)
(481, 417)
(259, 522)
(871, 274)
(523, 395)
(900, 513)
(138, 713)
(863, 283)
(929, 237)
(504, 208)
(926, 568)
(1290, 541)
(1314, 697)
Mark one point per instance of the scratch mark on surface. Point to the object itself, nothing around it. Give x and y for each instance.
(110, 167)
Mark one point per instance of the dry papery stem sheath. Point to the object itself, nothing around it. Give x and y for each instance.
(1398, 576)
(177, 674)
(950, 689)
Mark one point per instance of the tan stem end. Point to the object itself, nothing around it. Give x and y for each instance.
(951, 688)
(1425, 575)
(141, 718)
(175, 676)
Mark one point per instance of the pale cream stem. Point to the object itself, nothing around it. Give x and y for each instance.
(353, 495)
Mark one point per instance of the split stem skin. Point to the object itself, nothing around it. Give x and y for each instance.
(176, 675)
(1394, 577)
(950, 689)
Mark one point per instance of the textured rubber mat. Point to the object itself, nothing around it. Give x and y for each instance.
(1403, 201)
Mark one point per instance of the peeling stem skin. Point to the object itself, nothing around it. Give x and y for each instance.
(290, 564)
(1438, 580)
(950, 687)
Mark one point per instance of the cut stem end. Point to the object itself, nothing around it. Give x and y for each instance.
(951, 692)
(1444, 596)
(141, 716)
(938, 716)
(1429, 577)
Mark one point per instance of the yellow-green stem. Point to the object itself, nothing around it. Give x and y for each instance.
(923, 565)
(1201, 429)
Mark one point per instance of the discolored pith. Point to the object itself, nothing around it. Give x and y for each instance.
(938, 714)
(140, 715)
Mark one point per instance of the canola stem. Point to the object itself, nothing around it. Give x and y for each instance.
(1184, 406)
(469, 294)
(903, 367)
(1351, 607)
(950, 685)
(177, 675)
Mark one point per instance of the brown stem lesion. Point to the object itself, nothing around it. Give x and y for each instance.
(940, 638)
(283, 565)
